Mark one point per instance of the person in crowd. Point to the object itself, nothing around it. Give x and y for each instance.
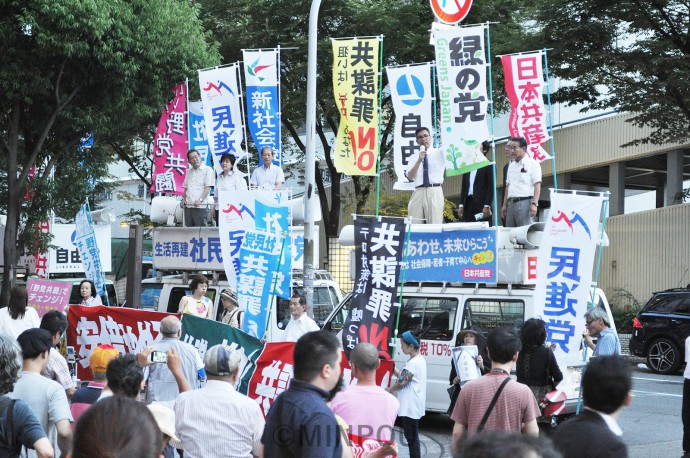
(367, 408)
(597, 324)
(18, 316)
(411, 391)
(46, 397)
(299, 422)
(228, 179)
(300, 322)
(125, 378)
(197, 303)
(501, 444)
(516, 409)
(84, 397)
(685, 411)
(117, 427)
(470, 336)
(216, 420)
(56, 323)
(606, 389)
(165, 419)
(161, 384)
(477, 193)
(18, 423)
(426, 170)
(268, 175)
(197, 188)
(232, 314)
(536, 365)
(523, 186)
(89, 295)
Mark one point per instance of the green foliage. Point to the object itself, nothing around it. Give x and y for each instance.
(624, 307)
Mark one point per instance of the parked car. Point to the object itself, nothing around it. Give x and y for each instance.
(660, 330)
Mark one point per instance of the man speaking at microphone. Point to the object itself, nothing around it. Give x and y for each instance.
(426, 170)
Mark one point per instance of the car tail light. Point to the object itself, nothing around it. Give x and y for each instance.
(637, 324)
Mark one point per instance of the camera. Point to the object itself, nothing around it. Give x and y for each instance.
(159, 357)
(71, 356)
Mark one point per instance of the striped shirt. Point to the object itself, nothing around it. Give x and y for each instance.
(58, 370)
(607, 343)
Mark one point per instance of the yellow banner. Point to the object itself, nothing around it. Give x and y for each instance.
(356, 91)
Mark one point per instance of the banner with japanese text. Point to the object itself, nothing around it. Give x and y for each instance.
(262, 78)
(47, 295)
(220, 97)
(411, 95)
(564, 269)
(41, 260)
(462, 95)
(63, 256)
(87, 246)
(378, 253)
(356, 91)
(170, 145)
(243, 210)
(525, 87)
(197, 133)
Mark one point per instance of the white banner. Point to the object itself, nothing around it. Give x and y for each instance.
(411, 96)
(564, 270)
(220, 97)
(463, 100)
(65, 258)
(85, 241)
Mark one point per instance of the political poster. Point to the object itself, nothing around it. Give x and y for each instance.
(87, 246)
(47, 295)
(197, 133)
(64, 257)
(170, 145)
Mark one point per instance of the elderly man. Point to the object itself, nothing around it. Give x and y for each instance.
(597, 324)
(216, 420)
(197, 187)
(300, 323)
(426, 170)
(268, 175)
(523, 186)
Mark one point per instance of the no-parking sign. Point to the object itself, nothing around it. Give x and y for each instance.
(450, 11)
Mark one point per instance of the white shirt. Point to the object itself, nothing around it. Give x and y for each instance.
(296, 328)
(230, 182)
(521, 184)
(437, 167)
(610, 422)
(412, 396)
(267, 178)
(195, 181)
(12, 327)
(686, 373)
(91, 301)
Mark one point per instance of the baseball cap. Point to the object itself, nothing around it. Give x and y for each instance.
(34, 341)
(229, 293)
(101, 356)
(221, 360)
(165, 418)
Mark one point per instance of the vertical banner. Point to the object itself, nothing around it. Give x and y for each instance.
(41, 260)
(356, 91)
(85, 241)
(259, 259)
(463, 100)
(379, 247)
(220, 97)
(170, 145)
(411, 96)
(262, 77)
(564, 269)
(524, 86)
(197, 133)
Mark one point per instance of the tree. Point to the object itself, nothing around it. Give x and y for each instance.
(72, 67)
(625, 54)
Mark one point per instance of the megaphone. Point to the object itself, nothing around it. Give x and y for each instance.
(104, 215)
(166, 209)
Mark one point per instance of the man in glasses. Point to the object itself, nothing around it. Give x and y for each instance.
(597, 323)
(523, 186)
(426, 170)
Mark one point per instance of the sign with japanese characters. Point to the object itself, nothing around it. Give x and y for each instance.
(463, 100)
(379, 247)
(47, 295)
(463, 255)
(222, 111)
(262, 79)
(65, 258)
(564, 269)
(411, 96)
(170, 145)
(356, 91)
(87, 246)
(41, 260)
(450, 12)
(524, 86)
(197, 133)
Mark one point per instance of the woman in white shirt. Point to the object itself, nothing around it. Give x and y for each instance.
(89, 296)
(18, 317)
(228, 179)
(197, 303)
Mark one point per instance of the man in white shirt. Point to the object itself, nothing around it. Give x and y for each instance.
(197, 187)
(426, 170)
(269, 175)
(523, 186)
(300, 323)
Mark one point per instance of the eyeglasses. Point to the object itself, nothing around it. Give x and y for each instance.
(511, 147)
(590, 322)
(422, 137)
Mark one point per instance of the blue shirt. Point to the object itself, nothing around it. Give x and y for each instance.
(300, 424)
(26, 429)
(607, 343)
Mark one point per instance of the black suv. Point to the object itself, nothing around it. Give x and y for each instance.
(660, 330)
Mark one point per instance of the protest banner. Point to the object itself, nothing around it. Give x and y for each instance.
(87, 245)
(197, 133)
(170, 145)
(47, 295)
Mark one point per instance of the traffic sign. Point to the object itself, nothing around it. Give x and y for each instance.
(450, 11)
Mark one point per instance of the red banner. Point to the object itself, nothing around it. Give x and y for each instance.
(170, 145)
(362, 446)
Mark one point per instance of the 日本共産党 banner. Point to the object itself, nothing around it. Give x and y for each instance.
(410, 88)
(170, 145)
(85, 241)
(220, 97)
(524, 86)
(462, 95)
(262, 79)
(356, 91)
(564, 269)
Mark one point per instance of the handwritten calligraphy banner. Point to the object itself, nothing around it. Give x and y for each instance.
(170, 145)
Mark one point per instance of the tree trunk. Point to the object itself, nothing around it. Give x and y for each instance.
(9, 249)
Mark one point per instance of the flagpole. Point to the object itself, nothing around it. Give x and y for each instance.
(491, 123)
(280, 109)
(433, 103)
(548, 98)
(273, 290)
(244, 121)
(408, 231)
(378, 139)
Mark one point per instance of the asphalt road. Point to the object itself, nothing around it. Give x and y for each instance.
(651, 426)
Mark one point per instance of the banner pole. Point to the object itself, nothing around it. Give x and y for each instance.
(243, 118)
(280, 109)
(273, 290)
(378, 139)
(548, 100)
(434, 102)
(491, 123)
(402, 285)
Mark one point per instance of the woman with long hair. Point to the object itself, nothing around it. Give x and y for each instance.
(18, 316)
